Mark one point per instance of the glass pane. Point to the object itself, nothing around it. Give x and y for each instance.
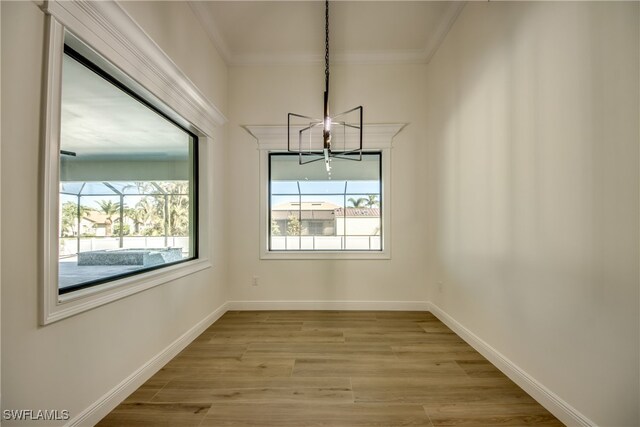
(71, 187)
(372, 187)
(284, 187)
(142, 187)
(322, 187)
(128, 183)
(362, 222)
(330, 214)
(97, 188)
(285, 167)
(318, 222)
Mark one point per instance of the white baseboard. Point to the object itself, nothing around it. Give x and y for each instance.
(551, 401)
(100, 408)
(329, 305)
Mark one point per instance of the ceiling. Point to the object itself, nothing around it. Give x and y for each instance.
(262, 32)
(100, 121)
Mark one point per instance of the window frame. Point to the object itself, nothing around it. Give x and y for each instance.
(381, 156)
(110, 33)
(104, 74)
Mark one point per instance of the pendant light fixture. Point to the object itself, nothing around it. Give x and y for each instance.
(331, 137)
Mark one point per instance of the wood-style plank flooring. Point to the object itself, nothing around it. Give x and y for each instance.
(329, 368)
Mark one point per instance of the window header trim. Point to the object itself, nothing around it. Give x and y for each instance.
(377, 136)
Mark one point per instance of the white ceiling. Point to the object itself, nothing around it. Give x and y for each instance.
(260, 32)
(100, 121)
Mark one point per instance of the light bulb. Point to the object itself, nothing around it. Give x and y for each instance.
(327, 124)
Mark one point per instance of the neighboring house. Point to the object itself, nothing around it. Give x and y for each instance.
(315, 218)
(325, 219)
(358, 221)
(94, 222)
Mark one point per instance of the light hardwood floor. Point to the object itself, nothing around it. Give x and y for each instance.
(329, 368)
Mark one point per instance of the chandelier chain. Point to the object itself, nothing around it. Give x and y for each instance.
(325, 153)
(326, 46)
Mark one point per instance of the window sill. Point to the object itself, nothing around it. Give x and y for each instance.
(86, 299)
(319, 255)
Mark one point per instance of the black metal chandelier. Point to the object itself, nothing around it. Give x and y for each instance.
(315, 136)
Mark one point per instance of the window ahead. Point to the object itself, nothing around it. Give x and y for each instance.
(310, 210)
(128, 181)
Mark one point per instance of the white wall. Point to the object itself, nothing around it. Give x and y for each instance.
(533, 120)
(73, 362)
(264, 95)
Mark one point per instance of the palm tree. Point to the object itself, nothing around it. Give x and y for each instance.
(357, 203)
(149, 208)
(137, 216)
(372, 201)
(69, 217)
(178, 204)
(109, 208)
(179, 215)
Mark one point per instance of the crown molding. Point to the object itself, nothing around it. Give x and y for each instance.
(438, 35)
(417, 56)
(211, 28)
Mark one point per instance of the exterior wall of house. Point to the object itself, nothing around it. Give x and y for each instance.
(369, 226)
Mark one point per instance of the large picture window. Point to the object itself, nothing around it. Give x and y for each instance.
(312, 210)
(128, 181)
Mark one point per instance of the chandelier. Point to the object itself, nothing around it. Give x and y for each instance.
(338, 136)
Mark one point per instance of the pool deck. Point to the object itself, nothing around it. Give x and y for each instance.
(70, 273)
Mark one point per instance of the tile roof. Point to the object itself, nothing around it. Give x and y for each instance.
(369, 212)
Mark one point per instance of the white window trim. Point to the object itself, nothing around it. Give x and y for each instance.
(112, 33)
(273, 139)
